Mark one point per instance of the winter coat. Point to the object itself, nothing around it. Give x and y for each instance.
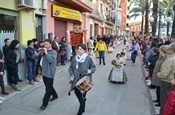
(169, 108)
(149, 54)
(29, 54)
(63, 47)
(153, 61)
(11, 58)
(155, 80)
(167, 70)
(101, 46)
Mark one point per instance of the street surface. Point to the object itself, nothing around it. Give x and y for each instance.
(105, 98)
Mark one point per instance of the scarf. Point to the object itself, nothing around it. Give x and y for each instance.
(80, 59)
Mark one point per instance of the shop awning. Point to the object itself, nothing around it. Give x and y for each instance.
(77, 5)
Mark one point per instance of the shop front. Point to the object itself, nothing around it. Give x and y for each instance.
(65, 20)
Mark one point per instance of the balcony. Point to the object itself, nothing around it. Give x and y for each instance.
(77, 4)
(98, 14)
(110, 19)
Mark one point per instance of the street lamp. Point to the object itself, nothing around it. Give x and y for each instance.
(151, 19)
(168, 19)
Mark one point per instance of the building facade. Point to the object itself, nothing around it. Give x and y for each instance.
(65, 16)
(22, 20)
(123, 6)
(135, 28)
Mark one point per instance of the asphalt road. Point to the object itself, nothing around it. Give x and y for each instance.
(105, 98)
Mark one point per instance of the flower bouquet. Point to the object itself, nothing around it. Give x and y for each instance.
(113, 62)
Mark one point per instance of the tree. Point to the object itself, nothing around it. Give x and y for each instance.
(167, 7)
(138, 10)
(146, 17)
(173, 26)
(154, 23)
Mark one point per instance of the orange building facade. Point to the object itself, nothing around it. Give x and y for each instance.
(124, 15)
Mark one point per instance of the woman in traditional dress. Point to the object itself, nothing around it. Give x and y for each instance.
(128, 52)
(117, 73)
(110, 48)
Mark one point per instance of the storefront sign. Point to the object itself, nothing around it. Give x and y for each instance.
(62, 12)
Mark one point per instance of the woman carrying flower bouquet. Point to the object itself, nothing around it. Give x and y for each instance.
(117, 74)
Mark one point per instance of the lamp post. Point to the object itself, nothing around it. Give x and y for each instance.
(168, 19)
(151, 19)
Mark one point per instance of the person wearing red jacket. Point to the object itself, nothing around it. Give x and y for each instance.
(169, 108)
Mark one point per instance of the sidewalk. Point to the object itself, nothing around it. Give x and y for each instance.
(25, 86)
(152, 91)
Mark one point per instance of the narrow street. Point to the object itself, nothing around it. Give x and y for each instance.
(105, 98)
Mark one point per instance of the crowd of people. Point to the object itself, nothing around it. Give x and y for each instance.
(158, 57)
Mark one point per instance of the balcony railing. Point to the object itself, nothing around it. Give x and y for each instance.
(98, 13)
(110, 19)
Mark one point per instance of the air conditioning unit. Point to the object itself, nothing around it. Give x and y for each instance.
(28, 4)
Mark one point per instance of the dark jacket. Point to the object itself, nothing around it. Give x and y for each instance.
(5, 49)
(54, 46)
(11, 58)
(153, 61)
(11, 55)
(62, 47)
(29, 54)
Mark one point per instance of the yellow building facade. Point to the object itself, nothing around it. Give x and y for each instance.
(23, 16)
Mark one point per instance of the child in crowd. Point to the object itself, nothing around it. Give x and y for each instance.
(110, 48)
(123, 56)
(117, 74)
(128, 53)
(92, 55)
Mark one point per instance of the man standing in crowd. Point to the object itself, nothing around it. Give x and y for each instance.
(48, 63)
(166, 74)
(5, 49)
